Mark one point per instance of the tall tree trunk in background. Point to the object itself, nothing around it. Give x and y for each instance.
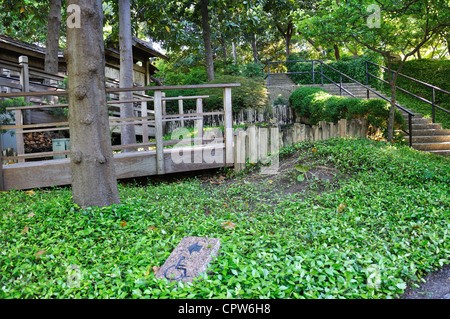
(233, 47)
(91, 159)
(336, 52)
(254, 48)
(224, 47)
(53, 33)
(128, 133)
(207, 39)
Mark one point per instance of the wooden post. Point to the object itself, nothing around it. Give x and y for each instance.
(25, 83)
(253, 144)
(159, 133)
(228, 125)
(164, 113)
(181, 111)
(198, 152)
(200, 121)
(144, 113)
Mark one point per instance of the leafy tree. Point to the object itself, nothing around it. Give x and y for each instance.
(404, 27)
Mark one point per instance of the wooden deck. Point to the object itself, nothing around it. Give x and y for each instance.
(154, 159)
(128, 165)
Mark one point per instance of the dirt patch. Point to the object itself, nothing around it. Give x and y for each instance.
(436, 286)
(286, 180)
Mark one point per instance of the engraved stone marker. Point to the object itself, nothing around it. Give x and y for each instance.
(190, 257)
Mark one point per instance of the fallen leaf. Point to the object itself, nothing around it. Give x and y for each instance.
(151, 228)
(31, 214)
(270, 181)
(25, 230)
(155, 269)
(123, 223)
(40, 252)
(222, 178)
(228, 225)
(341, 207)
(30, 193)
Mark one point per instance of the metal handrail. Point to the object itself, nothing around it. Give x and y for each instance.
(322, 75)
(433, 88)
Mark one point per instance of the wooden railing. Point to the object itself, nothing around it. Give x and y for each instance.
(154, 117)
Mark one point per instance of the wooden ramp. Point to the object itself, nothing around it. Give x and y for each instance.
(128, 165)
(152, 158)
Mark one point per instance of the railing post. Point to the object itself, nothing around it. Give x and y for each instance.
(25, 83)
(200, 121)
(433, 109)
(159, 133)
(314, 82)
(181, 111)
(410, 129)
(144, 113)
(268, 73)
(367, 79)
(340, 84)
(228, 125)
(164, 113)
(321, 73)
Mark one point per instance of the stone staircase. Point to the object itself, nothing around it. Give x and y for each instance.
(427, 136)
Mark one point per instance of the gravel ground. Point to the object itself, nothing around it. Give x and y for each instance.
(436, 286)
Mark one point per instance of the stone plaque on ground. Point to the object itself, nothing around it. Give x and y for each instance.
(191, 257)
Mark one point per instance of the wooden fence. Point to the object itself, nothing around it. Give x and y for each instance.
(256, 142)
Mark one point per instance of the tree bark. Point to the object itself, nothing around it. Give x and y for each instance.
(224, 47)
(128, 133)
(91, 159)
(336, 52)
(207, 40)
(53, 33)
(254, 48)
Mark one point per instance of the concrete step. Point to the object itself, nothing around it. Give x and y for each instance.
(431, 132)
(432, 146)
(429, 138)
(435, 126)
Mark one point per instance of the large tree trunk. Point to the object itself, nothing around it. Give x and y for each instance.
(224, 47)
(207, 40)
(91, 159)
(128, 133)
(53, 32)
(254, 48)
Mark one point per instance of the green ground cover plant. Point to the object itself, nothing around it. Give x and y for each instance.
(391, 214)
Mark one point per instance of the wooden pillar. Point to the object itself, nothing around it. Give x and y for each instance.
(144, 113)
(159, 133)
(200, 121)
(181, 111)
(228, 125)
(253, 144)
(163, 108)
(198, 152)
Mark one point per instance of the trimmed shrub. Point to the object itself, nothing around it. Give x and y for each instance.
(318, 105)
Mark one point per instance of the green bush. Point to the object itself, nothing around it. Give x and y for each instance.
(251, 93)
(253, 71)
(318, 105)
(434, 72)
